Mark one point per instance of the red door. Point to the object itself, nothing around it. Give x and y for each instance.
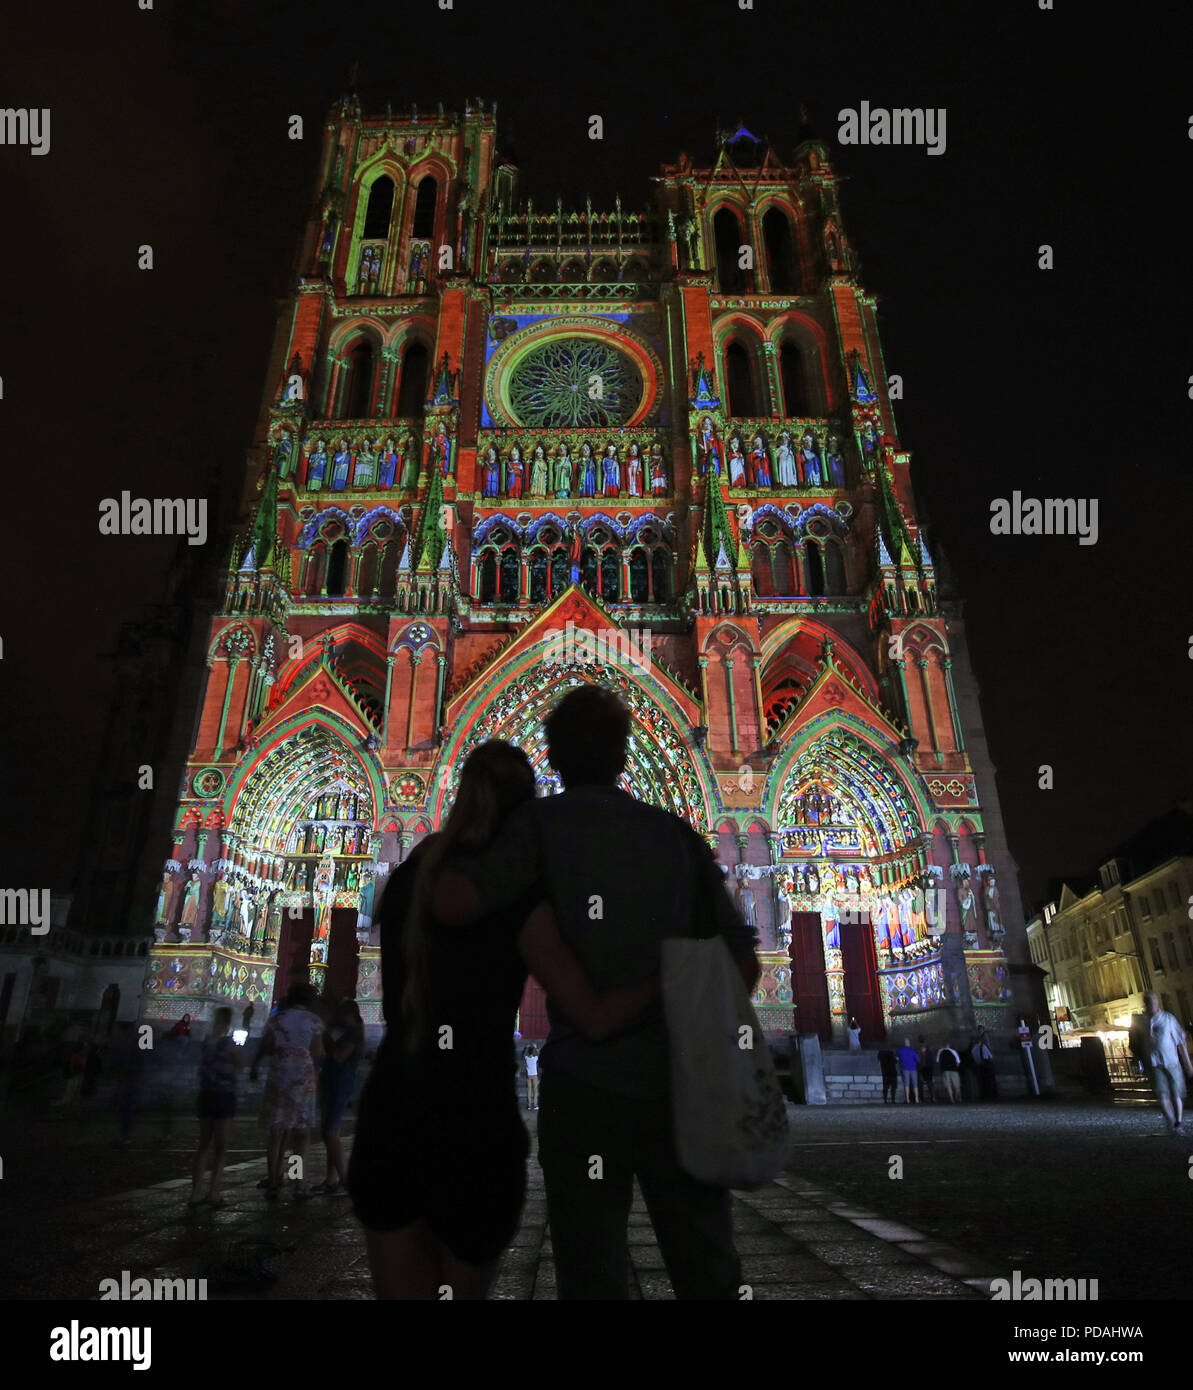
(808, 985)
(294, 953)
(342, 955)
(862, 1000)
(532, 1013)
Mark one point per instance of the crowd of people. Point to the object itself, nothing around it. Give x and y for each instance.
(927, 1073)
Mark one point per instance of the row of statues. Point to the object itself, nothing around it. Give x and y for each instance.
(236, 906)
(751, 462)
(332, 839)
(373, 463)
(554, 471)
(245, 909)
(904, 916)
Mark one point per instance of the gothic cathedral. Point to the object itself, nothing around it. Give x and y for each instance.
(507, 449)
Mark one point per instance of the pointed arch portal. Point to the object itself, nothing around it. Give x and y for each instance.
(853, 854)
(659, 765)
(302, 826)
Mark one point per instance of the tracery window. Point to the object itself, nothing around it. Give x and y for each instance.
(774, 561)
(600, 569)
(575, 383)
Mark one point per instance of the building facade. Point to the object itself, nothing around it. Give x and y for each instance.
(1128, 932)
(508, 449)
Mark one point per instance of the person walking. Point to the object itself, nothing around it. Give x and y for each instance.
(890, 1074)
(294, 1046)
(1168, 1055)
(621, 876)
(530, 1064)
(927, 1090)
(909, 1061)
(344, 1045)
(218, 1060)
(948, 1059)
(983, 1059)
(438, 1168)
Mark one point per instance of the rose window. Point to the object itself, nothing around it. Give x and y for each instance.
(575, 383)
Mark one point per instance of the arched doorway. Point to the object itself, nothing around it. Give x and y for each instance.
(853, 856)
(298, 859)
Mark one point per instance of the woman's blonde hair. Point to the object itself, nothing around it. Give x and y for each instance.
(495, 778)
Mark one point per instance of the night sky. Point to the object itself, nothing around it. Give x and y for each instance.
(169, 127)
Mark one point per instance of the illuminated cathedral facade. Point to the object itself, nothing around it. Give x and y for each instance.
(507, 449)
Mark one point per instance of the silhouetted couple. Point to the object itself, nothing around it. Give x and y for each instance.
(580, 889)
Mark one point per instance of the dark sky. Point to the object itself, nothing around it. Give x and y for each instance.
(169, 127)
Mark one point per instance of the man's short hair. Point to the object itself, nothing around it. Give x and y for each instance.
(587, 733)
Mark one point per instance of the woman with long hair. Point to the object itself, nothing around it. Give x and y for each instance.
(294, 1045)
(438, 1167)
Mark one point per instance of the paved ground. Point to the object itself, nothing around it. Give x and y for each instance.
(1053, 1190)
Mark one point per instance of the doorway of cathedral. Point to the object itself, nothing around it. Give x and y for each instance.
(294, 954)
(532, 1013)
(343, 955)
(809, 985)
(860, 963)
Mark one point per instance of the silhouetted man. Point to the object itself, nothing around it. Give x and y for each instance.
(622, 876)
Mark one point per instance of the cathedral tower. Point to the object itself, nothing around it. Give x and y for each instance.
(509, 449)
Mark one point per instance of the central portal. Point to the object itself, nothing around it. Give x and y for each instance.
(343, 954)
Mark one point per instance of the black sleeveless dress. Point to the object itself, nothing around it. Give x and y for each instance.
(440, 1136)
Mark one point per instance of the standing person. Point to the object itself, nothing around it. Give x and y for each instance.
(890, 1074)
(909, 1061)
(130, 1064)
(246, 1022)
(983, 1059)
(294, 1045)
(218, 1060)
(1168, 1054)
(926, 1088)
(530, 1063)
(948, 1059)
(855, 1035)
(438, 1168)
(622, 876)
(76, 1065)
(344, 1045)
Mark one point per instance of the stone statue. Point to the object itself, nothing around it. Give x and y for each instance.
(782, 910)
(633, 471)
(165, 898)
(491, 473)
(745, 898)
(317, 467)
(563, 472)
(409, 456)
(990, 901)
(657, 471)
(588, 471)
(965, 902)
(538, 472)
(220, 902)
(190, 902)
(785, 462)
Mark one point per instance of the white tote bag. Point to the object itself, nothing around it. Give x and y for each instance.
(728, 1109)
